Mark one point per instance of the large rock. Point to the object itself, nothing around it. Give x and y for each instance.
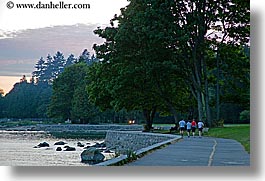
(92, 155)
(99, 145)
(60, 143)
(70, 148)
(80, 144)
(44, 144)
(58, 149)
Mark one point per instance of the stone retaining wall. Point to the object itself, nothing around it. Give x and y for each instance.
(124, 141)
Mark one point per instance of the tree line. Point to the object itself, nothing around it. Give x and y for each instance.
(57, 90)
(182, 59)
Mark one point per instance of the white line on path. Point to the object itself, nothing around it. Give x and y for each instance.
(212, 154)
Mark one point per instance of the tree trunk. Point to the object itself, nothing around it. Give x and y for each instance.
(208, 109)
(149, 115)
(153, 112)
(217, 88)
(173, 111)
(200, 105)
(206, 92)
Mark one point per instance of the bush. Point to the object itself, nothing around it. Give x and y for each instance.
(218, 123)
(245, 115)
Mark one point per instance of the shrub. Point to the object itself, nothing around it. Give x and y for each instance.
(245, 115)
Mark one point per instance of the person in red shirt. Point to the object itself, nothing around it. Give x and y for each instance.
(193, 127)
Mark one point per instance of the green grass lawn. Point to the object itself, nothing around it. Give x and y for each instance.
(241, 133)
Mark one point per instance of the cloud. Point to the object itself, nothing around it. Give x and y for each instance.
(16, 67)
(6, 34)
(19, 51)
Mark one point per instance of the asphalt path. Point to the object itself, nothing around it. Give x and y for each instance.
(195, 151)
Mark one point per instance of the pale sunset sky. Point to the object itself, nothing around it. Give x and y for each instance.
(28, 34)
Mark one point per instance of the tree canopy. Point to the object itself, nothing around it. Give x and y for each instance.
(27, 100)
(158, 53)
(69, 95)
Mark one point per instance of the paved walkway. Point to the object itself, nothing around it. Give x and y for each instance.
(197, 151)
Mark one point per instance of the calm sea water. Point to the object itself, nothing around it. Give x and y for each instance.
(16, 149)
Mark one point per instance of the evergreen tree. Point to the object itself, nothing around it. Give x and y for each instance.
(58, 64)
(48, 72)
(23, 79)
(94, 59)
(25, 100)
(70, 60)
(53, 67)
(85, 57)
(40, 69)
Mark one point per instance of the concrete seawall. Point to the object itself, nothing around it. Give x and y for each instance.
(132, 141)
(124, 141)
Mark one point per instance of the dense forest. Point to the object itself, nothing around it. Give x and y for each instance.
(57, 92)
(161, 61)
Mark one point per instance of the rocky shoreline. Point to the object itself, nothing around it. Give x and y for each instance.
(119, 140)
(90, 151)
(91, 154)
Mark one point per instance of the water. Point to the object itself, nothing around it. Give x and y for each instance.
(16, 149)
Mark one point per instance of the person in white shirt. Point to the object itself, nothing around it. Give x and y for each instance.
(188, 128)
(200, 127)
(182, 124)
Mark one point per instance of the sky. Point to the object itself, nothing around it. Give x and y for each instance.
(28, 34)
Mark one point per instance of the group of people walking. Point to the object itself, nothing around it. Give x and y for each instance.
(190, 127)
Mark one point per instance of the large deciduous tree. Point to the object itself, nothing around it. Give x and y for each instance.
(162, 44)
(138, 65)
(201, 27)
